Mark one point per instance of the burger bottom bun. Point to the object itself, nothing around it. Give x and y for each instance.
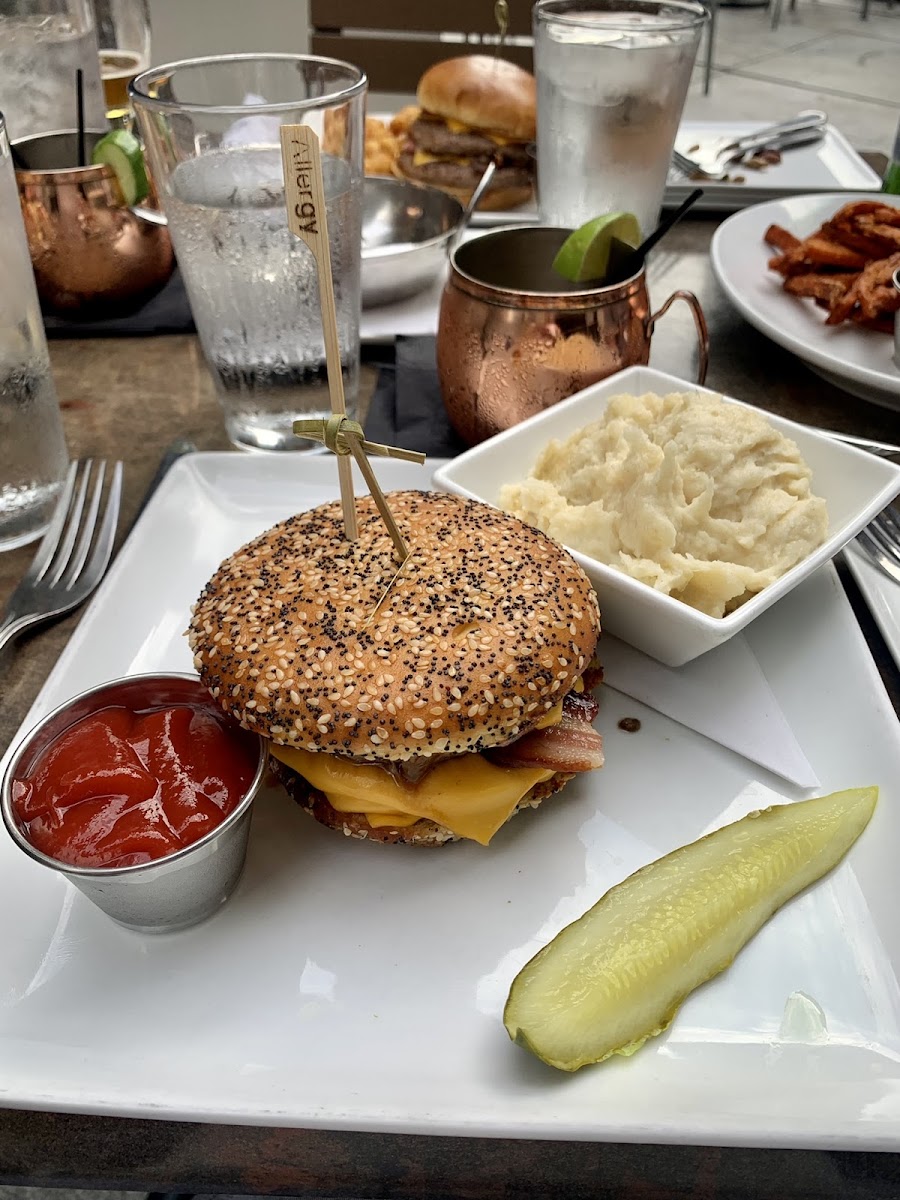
(495, 199)
(422, 833)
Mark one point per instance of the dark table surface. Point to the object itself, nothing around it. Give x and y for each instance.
(129, 398)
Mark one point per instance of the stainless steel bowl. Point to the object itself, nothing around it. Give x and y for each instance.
(168, 893)
(405, 232)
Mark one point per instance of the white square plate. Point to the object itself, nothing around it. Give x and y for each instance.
(829, 165)
(881, 594)
(854, 484)
(353, 986)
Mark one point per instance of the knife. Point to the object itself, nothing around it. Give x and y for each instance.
(752, 723)
(176, 450)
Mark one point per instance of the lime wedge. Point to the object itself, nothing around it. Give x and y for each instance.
(585, 252)
(121, 150)
(618, 975)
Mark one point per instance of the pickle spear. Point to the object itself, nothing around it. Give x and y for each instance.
(618, 975)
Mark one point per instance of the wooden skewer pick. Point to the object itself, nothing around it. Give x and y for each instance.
(501, 16)
(344, 437)
(304, 196)
(305, 199)
(337, 436)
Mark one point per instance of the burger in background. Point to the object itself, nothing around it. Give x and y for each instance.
(473, 109)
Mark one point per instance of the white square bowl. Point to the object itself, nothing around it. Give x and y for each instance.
(854, 484)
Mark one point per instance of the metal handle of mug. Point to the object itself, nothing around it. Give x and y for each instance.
(699, 322)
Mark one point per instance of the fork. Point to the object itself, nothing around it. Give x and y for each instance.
(74, 552)
(880, 449)
(881, 541)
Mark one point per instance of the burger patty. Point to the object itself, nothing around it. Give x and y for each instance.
(463, 175)
(436, 138)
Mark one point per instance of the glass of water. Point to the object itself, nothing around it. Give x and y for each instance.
(211, 129)
(42, 44)
(612, 76)
(33, 455)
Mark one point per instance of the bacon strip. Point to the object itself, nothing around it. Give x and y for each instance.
(572, 746)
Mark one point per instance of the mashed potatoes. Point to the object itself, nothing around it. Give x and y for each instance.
(698, 498)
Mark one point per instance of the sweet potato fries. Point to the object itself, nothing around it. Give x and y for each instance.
(846, 265)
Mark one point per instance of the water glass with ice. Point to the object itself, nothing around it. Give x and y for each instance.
(42, 44)
(33, 455)
(211, 129)
(612, 76)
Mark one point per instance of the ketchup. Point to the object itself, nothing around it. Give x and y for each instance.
(124, 786)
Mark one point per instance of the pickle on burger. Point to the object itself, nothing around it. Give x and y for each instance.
(419, 705)
(474, 108)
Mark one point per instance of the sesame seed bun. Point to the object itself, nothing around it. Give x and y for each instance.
(319, 643)
(482, 91)
(420, 833)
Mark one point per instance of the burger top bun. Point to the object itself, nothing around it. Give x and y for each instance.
(481, 91)
(319, 643)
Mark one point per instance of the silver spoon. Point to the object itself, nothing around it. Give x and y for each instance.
(480, 188)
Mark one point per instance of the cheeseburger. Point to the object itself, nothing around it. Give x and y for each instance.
(474, 109)
(415, 705)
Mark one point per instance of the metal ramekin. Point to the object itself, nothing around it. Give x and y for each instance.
(170, 893)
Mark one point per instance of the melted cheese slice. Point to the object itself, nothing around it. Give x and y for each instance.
(422, 158)
(459, 127)
(466, 794)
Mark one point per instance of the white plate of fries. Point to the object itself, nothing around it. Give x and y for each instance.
(813, 274)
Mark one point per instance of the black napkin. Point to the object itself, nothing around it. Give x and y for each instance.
(167, 312)
(406, 409)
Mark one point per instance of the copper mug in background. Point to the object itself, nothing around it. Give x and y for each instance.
(514, 338)
(93, 256)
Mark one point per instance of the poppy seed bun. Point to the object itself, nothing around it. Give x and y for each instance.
(480, 634)
(420, 833)
(483, 92)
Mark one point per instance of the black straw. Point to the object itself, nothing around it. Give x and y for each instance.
(18, 161)
(625, 262)
(79, 102)
(664, 226)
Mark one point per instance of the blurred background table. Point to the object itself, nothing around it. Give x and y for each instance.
(130, 398)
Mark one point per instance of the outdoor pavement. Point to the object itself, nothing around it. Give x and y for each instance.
(821, 56)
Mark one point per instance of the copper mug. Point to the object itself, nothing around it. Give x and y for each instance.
(93, 256)
(514, 338)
